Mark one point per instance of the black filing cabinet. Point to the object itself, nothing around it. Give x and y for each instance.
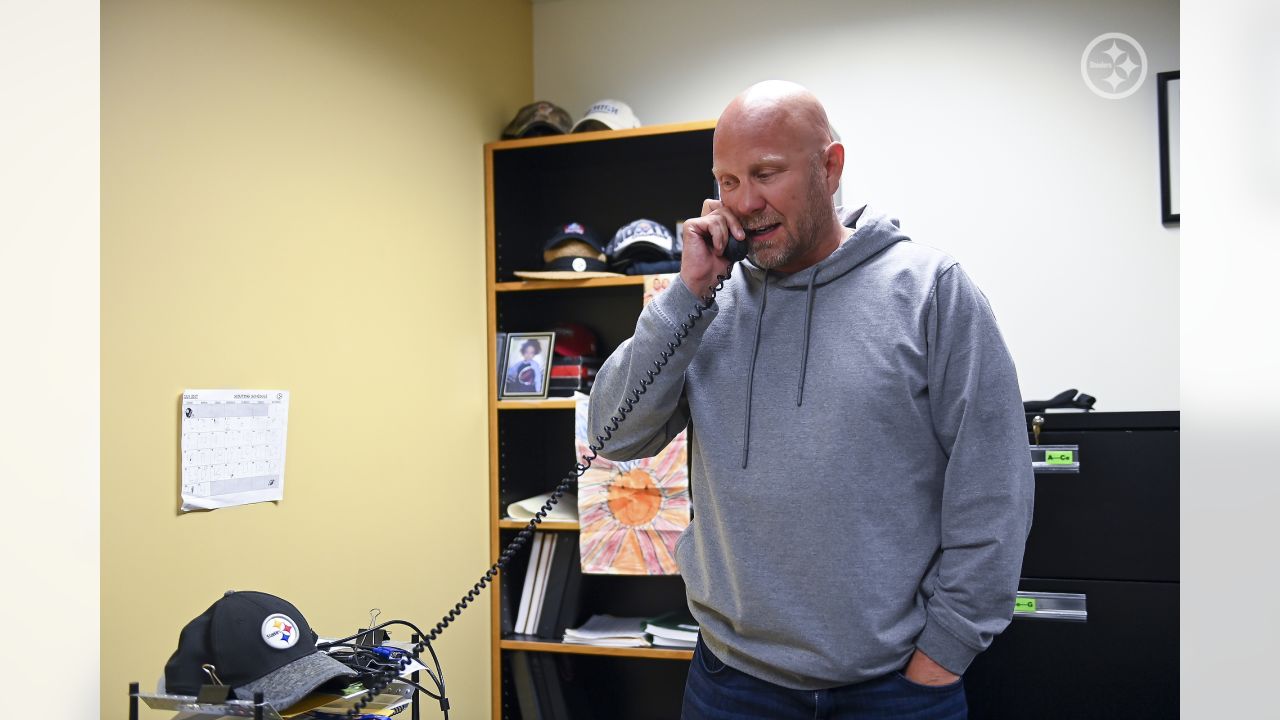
(1107, 537)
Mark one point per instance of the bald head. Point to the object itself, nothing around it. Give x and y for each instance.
(778, 106)
(777, 165)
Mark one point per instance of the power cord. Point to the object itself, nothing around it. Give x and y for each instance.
(391, 670)
(522, 537)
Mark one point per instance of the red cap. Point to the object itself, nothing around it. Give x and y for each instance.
(575, 340)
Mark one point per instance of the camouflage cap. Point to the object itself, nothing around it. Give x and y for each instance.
(539, 118)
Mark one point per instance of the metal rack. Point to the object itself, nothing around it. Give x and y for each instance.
(206, 706)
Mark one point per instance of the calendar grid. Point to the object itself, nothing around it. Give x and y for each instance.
(232, 448)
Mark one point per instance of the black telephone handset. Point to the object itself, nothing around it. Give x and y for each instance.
(735, 250)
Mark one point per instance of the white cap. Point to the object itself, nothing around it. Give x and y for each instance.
(612, 114)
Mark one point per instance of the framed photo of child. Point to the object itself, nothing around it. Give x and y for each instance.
(526, 372)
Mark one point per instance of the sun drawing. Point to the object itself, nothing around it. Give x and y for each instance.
(631, 513)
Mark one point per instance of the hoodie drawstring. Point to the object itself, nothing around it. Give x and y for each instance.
(808, 322)
(751, 373)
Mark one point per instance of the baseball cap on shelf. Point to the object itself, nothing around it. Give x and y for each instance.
(254, 642)
(539, 118)
(572, 253)
(575, 340)
(607, 115)
(640, 240)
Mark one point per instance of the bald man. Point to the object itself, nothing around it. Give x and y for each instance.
(862, 487)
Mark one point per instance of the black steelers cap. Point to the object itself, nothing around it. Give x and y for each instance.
(256, 643)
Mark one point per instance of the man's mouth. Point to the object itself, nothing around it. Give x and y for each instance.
(762, 231)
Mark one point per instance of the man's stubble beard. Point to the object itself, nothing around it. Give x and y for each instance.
(817, 210)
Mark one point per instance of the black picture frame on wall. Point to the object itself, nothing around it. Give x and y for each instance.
(1168, 100)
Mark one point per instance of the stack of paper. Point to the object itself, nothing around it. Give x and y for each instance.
(609, 631)
(675, 630)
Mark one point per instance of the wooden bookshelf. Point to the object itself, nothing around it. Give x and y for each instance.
(559, 525)
(588, 137)
(603, 180)
(548, 404)
(528, 285)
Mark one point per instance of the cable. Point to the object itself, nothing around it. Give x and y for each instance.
(416, 653)
(384, 660)
(522, 537)
(383, 677)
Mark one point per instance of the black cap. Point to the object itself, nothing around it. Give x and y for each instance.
(256, 643)
(564, 250)
(571, 253)
(571, 231)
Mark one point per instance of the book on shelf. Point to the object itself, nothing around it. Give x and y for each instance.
(526, 691)
(571, 604)
(547, 690)
(548, 687)
(551, 595)
(500, 351)
(673, 629)
(564, 556)
(661, 642)
(540, 583)
(530, 580)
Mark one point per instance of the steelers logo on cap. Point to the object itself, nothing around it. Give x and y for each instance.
(280, 631)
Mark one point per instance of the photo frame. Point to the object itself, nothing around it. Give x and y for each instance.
(1168, 100)
(526, 367)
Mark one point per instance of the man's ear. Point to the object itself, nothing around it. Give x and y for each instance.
(834, 165)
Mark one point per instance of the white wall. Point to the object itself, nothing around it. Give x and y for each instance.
(967, 119)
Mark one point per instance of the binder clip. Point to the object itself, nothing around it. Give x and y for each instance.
(213, 693)
(370, 637)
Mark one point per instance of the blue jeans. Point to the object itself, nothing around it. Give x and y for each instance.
(715, 691)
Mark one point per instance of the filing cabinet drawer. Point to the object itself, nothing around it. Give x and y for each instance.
(1117, 519)
(1121, 662)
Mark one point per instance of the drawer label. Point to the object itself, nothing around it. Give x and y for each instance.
(1059, 457)
(1024, 604)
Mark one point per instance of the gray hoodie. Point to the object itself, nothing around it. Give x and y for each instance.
(861, 479)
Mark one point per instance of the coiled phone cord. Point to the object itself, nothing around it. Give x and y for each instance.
(518, 542)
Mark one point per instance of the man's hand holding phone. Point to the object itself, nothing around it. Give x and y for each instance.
(705, 239)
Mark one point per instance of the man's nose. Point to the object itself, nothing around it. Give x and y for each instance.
(747, 201)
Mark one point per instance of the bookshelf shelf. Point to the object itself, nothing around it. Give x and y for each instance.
(527, 285)
(548, 404)
(562, 525)
(651, 653)
(589, 137)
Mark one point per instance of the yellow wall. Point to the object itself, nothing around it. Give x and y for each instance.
(292, 197)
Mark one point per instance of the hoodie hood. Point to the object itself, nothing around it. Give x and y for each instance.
(876, 233)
